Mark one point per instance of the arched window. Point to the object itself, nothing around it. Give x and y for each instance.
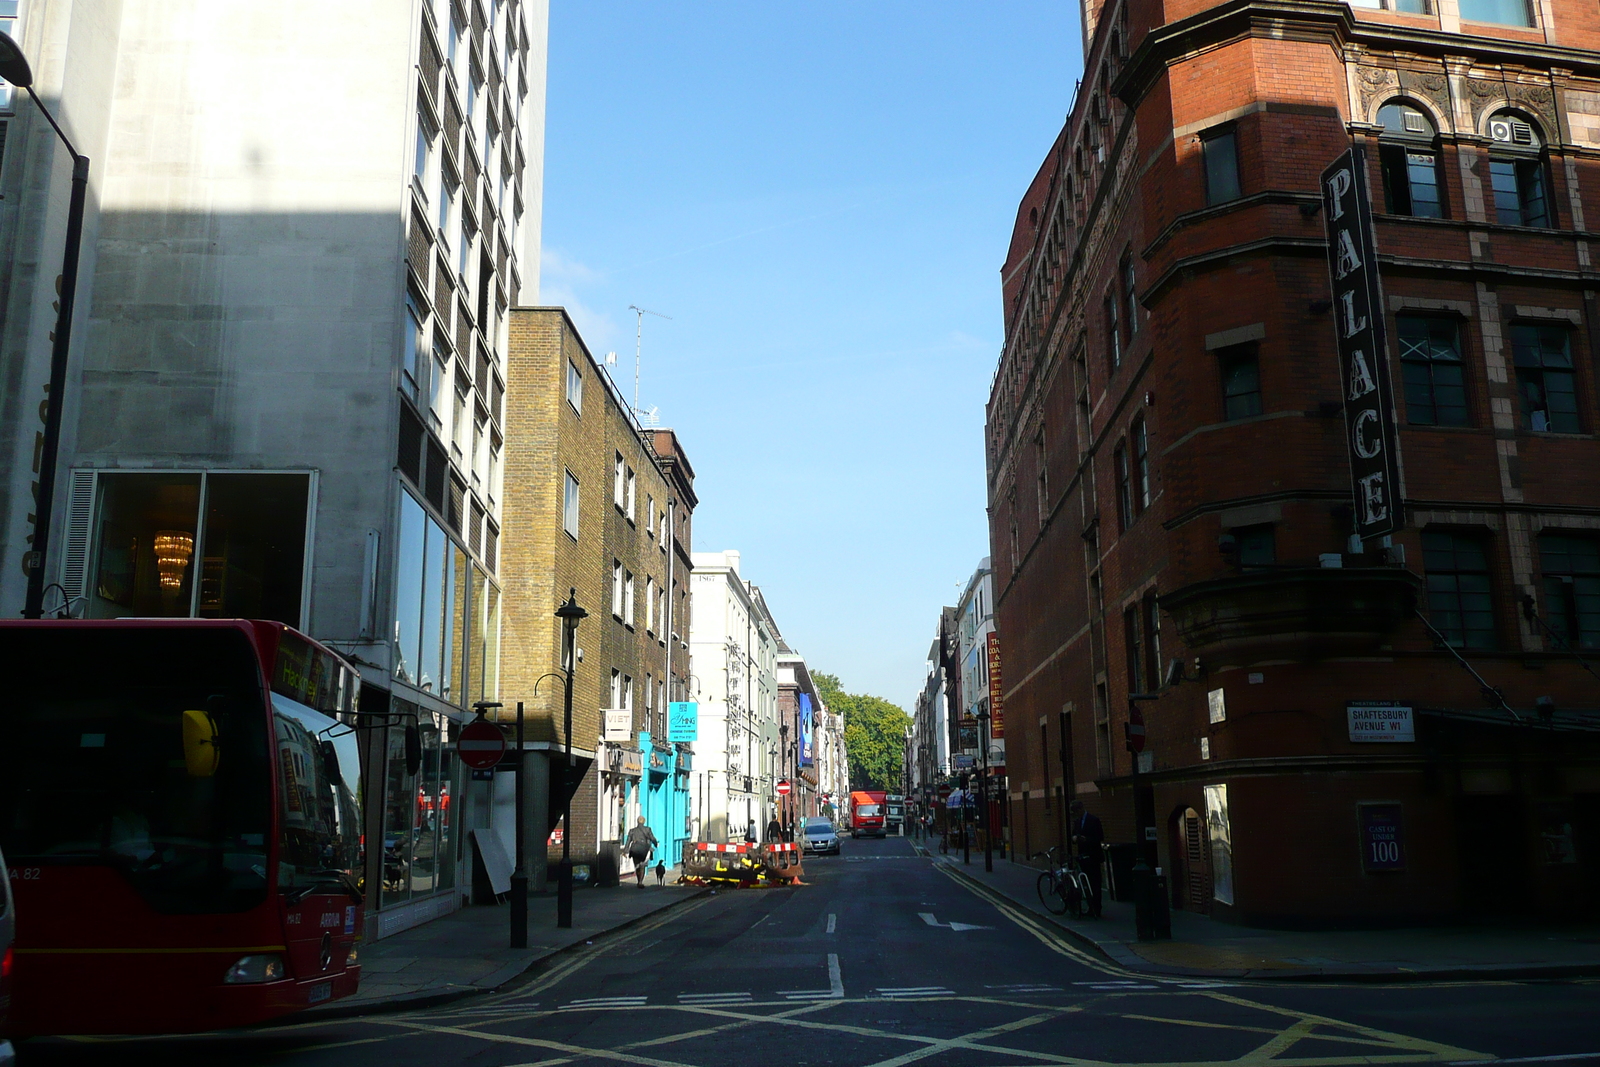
(1409, 152)
(1517, 171)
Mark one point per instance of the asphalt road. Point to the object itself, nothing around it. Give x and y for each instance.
(883, 960)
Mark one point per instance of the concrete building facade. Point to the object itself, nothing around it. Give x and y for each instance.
(593, 511)
(734, 653)
(1169, 470)
(286, 378)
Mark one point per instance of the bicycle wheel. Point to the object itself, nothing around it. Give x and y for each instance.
(1050, 893)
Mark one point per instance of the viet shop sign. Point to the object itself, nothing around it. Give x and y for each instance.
(683, 720)
(1380, 720)
(1368, 394)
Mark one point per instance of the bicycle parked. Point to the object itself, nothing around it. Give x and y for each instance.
(1063, 887)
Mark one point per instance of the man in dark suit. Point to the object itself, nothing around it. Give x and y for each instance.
(1087, 837)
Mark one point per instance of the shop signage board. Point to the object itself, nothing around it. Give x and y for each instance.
(481, 745)
(632, 764)
(1382, 848)
(997, 703)
(617, 724)
(683, 721)
(961, 762)
(1371, 443)
(1380, 720)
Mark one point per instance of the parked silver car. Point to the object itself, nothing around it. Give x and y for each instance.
(820, 837)
(8, 929)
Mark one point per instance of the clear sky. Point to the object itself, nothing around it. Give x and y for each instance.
(820, 196)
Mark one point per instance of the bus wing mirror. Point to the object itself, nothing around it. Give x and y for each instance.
(413, 749)
(199, 744)
(330, 764)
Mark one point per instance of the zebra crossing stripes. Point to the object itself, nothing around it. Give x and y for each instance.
(714, 998)
(1025, 987)
(904, 992)
(606, 1002)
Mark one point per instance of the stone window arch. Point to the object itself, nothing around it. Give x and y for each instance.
(1518, 170)
(1408, 152)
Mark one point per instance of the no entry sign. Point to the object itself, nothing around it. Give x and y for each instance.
(481, 744)
(783, 787)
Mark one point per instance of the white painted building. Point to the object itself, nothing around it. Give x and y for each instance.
(733, 649)
(305, 223)
(975, 622)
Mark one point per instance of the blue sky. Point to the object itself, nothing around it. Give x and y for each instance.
(820, 196)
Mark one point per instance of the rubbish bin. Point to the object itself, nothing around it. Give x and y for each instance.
(1121, 859)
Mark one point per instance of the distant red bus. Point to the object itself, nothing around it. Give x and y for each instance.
(180, 811)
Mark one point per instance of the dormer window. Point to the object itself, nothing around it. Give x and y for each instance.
(1517, 171)
(1408, 151)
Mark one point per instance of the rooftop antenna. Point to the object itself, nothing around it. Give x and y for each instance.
(638, 345)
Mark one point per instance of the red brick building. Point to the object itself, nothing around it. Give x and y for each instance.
(1169, 477)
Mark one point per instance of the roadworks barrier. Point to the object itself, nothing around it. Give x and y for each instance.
(741, 866)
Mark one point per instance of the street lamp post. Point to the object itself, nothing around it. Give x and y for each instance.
(570, 615)
(983, 789)
(14, 69)
(785, 805)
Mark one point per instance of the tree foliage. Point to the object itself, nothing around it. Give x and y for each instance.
(874, 734)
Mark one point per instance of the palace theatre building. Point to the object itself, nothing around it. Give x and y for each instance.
(1346, 719)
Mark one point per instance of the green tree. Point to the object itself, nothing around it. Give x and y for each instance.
(874, 734)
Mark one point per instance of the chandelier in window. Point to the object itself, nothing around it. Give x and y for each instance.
(174, 549)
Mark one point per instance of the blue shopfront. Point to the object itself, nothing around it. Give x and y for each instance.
(664, 794)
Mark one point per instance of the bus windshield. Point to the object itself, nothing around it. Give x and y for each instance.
(92, 767)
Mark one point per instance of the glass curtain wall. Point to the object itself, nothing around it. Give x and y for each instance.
(419, 839)
(446, 626)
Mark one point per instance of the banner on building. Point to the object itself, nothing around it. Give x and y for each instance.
(997, 717)
(683, 720)
(1358, 315)
(805, 730)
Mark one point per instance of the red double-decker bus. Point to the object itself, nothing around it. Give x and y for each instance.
(180, 809)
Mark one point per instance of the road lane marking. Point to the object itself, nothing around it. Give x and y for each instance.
(1530, 1059)
(714, 998)
(915, 991)
(832, 919)
(576, 1051)
(835, 990)
(606, 1002)
(927, 917)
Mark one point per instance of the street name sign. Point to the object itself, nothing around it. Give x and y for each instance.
(1380, 720)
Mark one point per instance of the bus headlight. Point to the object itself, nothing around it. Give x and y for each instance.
(249, 969)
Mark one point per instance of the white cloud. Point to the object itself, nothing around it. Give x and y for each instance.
(564, 282)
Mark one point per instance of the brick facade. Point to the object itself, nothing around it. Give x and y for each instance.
(1146, 507)
(550, 437)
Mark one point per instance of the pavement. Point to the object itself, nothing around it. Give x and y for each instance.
(1203, 947)
(467, 952)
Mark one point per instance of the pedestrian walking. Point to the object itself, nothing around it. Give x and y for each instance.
(640, 843)
(1089, 837)
(774, 831)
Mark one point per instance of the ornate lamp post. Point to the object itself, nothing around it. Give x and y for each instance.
(570, 615)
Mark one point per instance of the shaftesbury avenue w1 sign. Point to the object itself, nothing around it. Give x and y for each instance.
(1370, 437)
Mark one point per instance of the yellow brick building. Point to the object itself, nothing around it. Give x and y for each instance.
(599, 508)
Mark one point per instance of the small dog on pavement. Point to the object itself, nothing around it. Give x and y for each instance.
(661, 872)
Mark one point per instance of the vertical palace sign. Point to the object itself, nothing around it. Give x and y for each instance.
(1370, 439)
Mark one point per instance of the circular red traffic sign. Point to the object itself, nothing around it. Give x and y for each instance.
(481, 744)
(783, 787)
